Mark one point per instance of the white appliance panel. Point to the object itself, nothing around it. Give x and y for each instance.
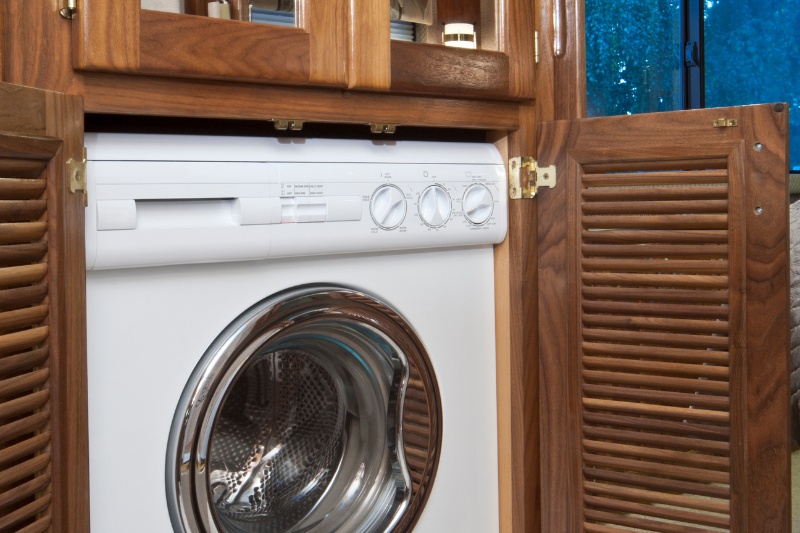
(185, 233)
(149, 346)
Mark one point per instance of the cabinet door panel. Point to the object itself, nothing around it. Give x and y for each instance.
(663, 306)
(43, 415)
(121, 37)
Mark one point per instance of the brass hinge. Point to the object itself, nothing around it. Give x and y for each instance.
(380, 127)
(69, 8)
(77, 177)
(525, 176)
(283, 124)
(726, 123)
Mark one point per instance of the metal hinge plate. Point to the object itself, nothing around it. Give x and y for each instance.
(525, 176)
(725, 123)
(283, 124)
(381, 127)
(76, 170)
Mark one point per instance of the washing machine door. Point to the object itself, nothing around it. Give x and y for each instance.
(315, 411)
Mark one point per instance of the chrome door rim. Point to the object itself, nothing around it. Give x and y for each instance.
(270, 321)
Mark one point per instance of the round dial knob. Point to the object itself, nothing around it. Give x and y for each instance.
(434, 206)
(477, 204)
(388, 206)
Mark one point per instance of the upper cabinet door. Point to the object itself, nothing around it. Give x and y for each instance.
(121, 36)
(44, 460)
(664, 322)
(336, 43)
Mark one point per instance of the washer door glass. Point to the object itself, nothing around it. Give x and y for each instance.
(292, 421)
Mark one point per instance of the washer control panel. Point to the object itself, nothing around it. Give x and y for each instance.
(158, 200)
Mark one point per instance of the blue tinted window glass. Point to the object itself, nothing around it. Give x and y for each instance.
(633, 56)
(752, 55)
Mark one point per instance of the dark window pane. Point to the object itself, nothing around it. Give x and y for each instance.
(752, 55)
(633, 56)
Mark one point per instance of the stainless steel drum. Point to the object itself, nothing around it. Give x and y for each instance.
(293, 421)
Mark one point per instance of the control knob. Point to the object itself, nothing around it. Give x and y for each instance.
(434, 206)
(388, 206)
(477, 204)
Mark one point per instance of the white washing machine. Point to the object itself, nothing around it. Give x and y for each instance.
(292, 335)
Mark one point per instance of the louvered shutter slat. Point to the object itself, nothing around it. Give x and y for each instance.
(40, 525)
(657, 222)
(666, 397)
(22, 189)
(623, 175)
(25, 512)
(659, 426)
(660, 207)
(643, 236)
(659, 483)
(30, 424)
(21, 275)
(22, 210)
(654, 367)
(657, 324)
(21, 254)
(706, 251)
(633, 513)
(24, 491)
(29, 359)
(22, 232)
(654, 280)
(665, 440)
(22, 318)
(620, 349)
(654, 192)
(26, 447)
(695, 459)
(27, 403)
(656, 468)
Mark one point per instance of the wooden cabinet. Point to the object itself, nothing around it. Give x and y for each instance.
(337, 43)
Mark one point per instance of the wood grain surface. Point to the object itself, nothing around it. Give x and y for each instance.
(43, 430)
(516, 287)
(106, 34)
(181, 45)
(369, 65)
(171, 97)
(518, 24)
(68, 296)
(439, 69)
(327, 24)
(665, 363)
(465, 11)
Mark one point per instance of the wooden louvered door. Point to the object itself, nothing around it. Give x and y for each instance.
(663, 306)
(43, 440)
